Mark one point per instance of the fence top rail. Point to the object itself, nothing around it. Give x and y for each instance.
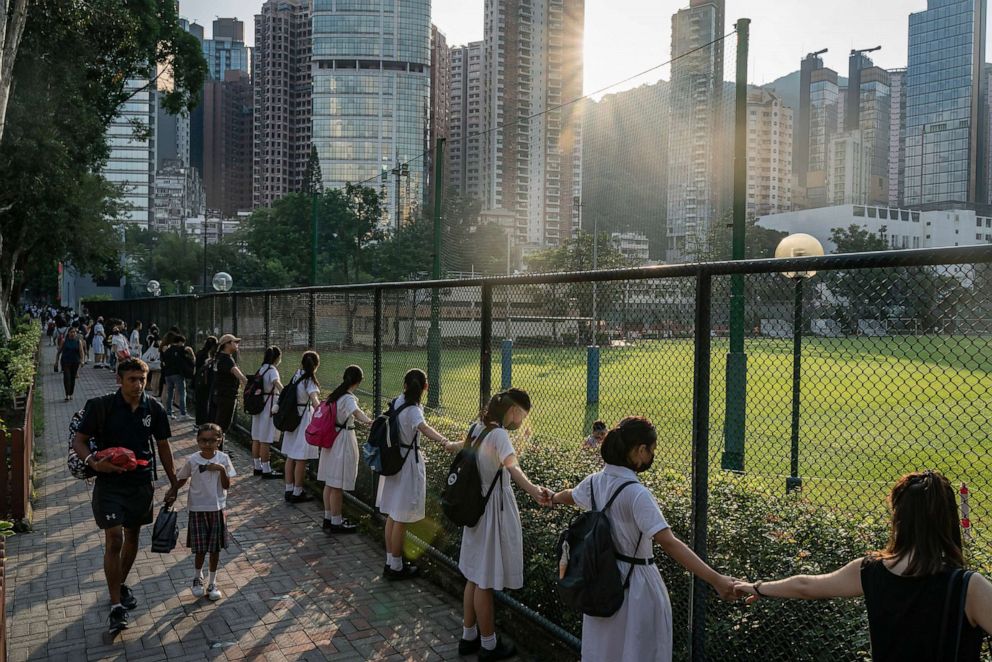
(919, 257)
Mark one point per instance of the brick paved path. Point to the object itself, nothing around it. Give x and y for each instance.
(290, 591)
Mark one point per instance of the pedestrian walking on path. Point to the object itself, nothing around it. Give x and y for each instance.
(70, 356)
(126, 420)
(209, 473)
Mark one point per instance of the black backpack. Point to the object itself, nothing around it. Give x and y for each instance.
(462, 500)
(591, 583)
(254, 394)
(165, 531)
(383, 450)
(288, 417)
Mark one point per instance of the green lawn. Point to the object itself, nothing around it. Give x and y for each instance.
(872, 408)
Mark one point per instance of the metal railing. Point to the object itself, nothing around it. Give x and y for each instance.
(878, 365)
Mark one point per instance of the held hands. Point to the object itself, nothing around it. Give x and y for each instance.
(542, 495)
(747, 588)
(726, 588)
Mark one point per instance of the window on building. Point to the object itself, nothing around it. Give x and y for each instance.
(859, 211)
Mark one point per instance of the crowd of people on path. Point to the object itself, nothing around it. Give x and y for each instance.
(909, 586)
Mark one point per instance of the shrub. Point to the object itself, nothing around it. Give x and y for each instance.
(17, 361)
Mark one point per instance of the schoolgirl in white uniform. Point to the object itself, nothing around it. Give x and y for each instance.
(263, 429)
(403, 496)
(641, 631)
(294, 443)
(492, 554)
(338, 466)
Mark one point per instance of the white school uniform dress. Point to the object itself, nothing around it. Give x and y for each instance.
(135, 343)
(492, 554)
(98, 336)
(294, 444)
(339, 464)
(263, 429)
(403, 496)
(641, 631)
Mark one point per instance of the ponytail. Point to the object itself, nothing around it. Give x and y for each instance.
(414, 385)
(630, 433)
(501, 403)
(309, 363)
(352, 377)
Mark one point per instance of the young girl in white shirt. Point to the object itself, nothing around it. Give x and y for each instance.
(641, 631)
(209, 472)
(294, 443)
(492, 555)
(403, 497)
(263, 428)
(338, 466)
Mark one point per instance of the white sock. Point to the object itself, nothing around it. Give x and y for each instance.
(297, 491)
(211, 578)
(199, 573)
(489, 643)
(256, 462)
(396, 563)
(267, 467)
(327, 514)
(289, 487)
(113, 607)
(469, 634)
(389, 559)
(337, 519)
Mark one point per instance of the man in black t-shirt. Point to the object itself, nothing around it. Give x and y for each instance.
(122, 500)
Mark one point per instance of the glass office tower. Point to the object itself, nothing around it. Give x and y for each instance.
(371, 98)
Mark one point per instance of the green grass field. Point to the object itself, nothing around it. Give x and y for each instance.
(871, 408)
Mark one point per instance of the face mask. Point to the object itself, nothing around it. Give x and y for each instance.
(645, 467)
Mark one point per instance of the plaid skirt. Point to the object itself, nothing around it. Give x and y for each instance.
(206, 532)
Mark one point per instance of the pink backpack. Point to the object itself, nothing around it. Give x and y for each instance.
(323, 428)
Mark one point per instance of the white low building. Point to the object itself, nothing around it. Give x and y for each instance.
(901, 228)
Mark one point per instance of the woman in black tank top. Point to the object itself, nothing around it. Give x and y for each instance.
(922, 604)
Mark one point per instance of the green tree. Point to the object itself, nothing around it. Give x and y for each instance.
(76, 58)
(312, 179)
(857, 239)
(13, 17)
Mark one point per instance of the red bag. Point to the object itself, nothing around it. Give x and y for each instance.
(121, 457)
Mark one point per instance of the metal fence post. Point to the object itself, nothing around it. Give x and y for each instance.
(506, 373)
(312, 324)
(486, 346)
(700, 463)
(267, 319)
(234, 314)
(377, 353)
(194, 320)
(213, 315)
(794, 481)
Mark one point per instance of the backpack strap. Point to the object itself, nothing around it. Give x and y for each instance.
(945, 615)
(615, 494)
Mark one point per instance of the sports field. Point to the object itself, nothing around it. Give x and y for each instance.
(871, 408)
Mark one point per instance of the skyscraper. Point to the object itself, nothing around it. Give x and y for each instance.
(868, 109)
(371, 98)
(769, 151)
(132, 160)
(532, 158)
(801, 147)
(281, 80)
(464, 150)
(440, 105)
(226, 49)
(227, 141)
(897, 140)
(945, 114)
(699, 183)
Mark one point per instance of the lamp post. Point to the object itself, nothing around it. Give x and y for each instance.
(154, 288)
(797, 245)
(222, 281)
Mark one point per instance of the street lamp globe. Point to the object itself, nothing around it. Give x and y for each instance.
(154, 287)
(799, 245)
(222, 281)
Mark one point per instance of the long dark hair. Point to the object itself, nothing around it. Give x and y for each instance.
(501, 403)
(309, 363)
(925, 529)
(352, 377)
(630, 433)
(414, 385)
(272, 354)
(209, 345)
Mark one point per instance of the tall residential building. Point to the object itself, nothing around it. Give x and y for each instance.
(769, 154)
(131, 164)
(849, 156)
(281, 79)
(227, 142)
(371, 98)
(440, 117)
(229, 28)
(897, 142)
(178, 195)
(825, 112)
(463, 154)
(945, 114)
(699, 183)
(800, 148)
(532, 135)
(869, 89)
(226, 49)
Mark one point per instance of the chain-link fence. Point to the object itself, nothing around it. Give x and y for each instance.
(771, 463)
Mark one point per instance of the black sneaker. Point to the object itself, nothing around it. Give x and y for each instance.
(271, 475)
(503, 650)
(469, 646)
(302, 497)
(289, 495)
(257, 472)
(118, 620)
(347, 526)
(327, 525)
(409, 571)
(127, 597)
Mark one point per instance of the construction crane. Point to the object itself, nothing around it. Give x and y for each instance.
(862, 51)
(810, 56)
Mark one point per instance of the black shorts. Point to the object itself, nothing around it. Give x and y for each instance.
(127, 505)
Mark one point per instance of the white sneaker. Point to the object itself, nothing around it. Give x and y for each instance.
(213, 592)
(198, 587)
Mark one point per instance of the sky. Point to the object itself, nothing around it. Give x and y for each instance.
(625, 37)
